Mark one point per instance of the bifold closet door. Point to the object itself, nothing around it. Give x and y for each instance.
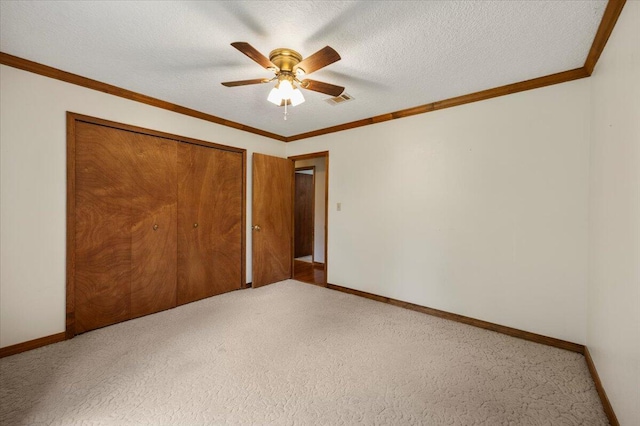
(125, 225)
(154, 211)
(210, 186)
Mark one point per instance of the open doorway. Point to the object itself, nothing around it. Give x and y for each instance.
(310, 218)
(304, 214)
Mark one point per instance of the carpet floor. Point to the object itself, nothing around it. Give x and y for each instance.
(293, 353)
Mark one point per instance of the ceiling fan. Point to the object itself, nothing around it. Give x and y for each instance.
(289, 68)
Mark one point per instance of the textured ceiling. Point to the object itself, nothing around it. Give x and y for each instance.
(395, 54)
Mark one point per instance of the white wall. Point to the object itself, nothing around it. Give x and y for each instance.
(479, 209)
(33, 189)
(319, 213)
(613, 332)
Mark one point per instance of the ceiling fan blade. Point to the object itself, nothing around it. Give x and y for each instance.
(245, 82)
(251, 52)
(320, 59)
(319, 86)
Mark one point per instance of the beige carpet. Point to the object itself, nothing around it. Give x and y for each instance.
(294, 353)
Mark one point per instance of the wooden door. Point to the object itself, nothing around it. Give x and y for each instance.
(103, 221)
(272, 219)
(303, 215)
(125, 184)
(153, 226)
(210, 208)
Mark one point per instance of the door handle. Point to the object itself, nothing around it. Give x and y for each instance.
(155, 227)
(255, 227)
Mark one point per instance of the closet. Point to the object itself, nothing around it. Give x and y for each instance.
(154, 221)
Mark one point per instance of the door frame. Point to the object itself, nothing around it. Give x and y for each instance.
(72, 119)
(313, 210)
(312, 155)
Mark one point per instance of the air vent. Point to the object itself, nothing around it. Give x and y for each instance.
(345, 97)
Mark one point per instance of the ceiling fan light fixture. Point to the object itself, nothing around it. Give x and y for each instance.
(274, 96)
(296, 97)
(286, 89)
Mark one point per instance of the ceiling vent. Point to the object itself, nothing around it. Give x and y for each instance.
(345, 97)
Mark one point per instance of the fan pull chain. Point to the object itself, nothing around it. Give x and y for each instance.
(285, 109)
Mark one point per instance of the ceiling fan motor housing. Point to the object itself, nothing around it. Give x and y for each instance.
(285, 59)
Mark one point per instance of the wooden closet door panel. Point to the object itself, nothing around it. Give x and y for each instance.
(195, 206)
(209, 221)
(225, 232)
(103, 222)
(154, 225)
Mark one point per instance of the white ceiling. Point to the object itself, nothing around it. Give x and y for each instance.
(395, 54)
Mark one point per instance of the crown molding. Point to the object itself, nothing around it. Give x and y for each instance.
(535, 83)
(47, 71)
(608, 22)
